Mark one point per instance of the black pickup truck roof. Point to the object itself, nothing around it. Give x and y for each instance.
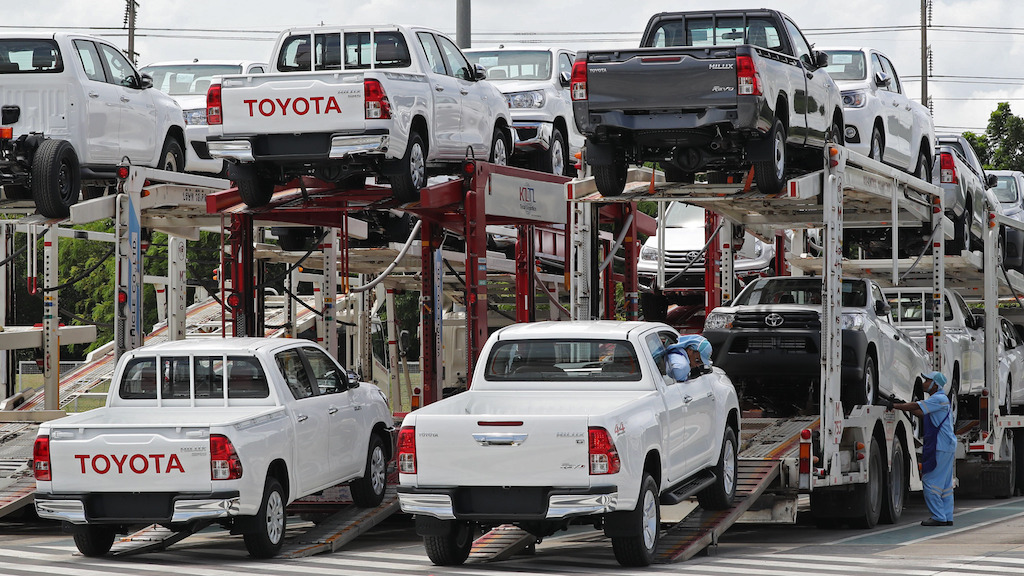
(704, 14)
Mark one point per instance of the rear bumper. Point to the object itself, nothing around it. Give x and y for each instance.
(456, 504)
(83, 509)
(308, 148)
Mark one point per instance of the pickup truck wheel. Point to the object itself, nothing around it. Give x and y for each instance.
(172, 158)
(94, 540)
(368, 491)
(771, 174)
(265, 541)
(13, 192)
(611, 178)
(719, 495)
(638, 550)
(254, 190)
(896, 496)
(56, 178)
(863, 393)
(410, 173)
(554, 160)
(500, 148)
(875, 151)
(451, 549)
(962, 233)
(923, 168)
(870, 496)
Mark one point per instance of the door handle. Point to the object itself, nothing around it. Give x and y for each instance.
(301, 417)
(463, 92)
(357, 407)
(125, 99)
(332, 410)
(711, 395)
(687, 399)
(499, 439)
(94, 95)
(438, 88)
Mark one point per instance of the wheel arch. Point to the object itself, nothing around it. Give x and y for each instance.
(178, 134)
(782, 109)
(881, 130)
(420, 126)
(652, 466)
(381, 430)
(279, 469)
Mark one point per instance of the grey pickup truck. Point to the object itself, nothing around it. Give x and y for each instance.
(714, 90)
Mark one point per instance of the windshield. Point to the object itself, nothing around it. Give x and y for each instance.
(798, 291)
(514, 64)
(846, 65)
(582, 360)
(188, 78)
(681, 215)
(1006, 189)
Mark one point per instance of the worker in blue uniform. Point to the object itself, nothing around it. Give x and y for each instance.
(939, 450)
(691, 353)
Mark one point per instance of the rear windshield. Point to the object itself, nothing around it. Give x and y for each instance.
(846, 65)
(730, 31)
(349, 51)
(188, 78)
(514, 64)
(30, 56)
(798, 291)
(245, 378)
(581, 360)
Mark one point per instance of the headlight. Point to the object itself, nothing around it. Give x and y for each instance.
(531, 99)
(649, 253)
(854, 99)
(195, 117)
(719, 321)
(852, 322)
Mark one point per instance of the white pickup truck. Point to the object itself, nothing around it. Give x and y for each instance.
(343, 102)
(569, 422)
(213, 430)
(73, 108)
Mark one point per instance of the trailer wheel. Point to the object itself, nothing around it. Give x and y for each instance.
(871, 496)
(1008, 453)
(266, 539)
(255, 190)
(771, 174)
(368, 491)
(611, 178)
(896, 496)
(95, 541)
(638, 549)
(451, 549)
(56, 178)
(409, 174)
(719, 495)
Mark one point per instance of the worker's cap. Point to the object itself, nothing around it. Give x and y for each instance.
(698, 343)
(936, 376)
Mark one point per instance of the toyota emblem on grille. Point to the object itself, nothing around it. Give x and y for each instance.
(774, 320)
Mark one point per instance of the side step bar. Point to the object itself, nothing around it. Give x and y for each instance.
(688, 488)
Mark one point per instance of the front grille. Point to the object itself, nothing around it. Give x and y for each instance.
(784, 344)
(810, 320)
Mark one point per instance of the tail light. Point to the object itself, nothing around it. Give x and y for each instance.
(213, 115)
(604, 458)
(407, 450)
(41, 459)
(224, 461)
(6, 132)
(929, 342)
(746, 77)
(376, 100)
(578, 82)
(947, 169)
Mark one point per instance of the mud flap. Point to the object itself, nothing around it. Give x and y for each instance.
(600, 154)
(620, 524)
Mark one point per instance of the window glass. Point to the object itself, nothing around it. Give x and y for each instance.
(550, 360)
(565, 64)
(1006, 189)
(90, 60)
(246, 378)
(139, 380)
(847, 65)
(515, 65)
(256, 70)
(209, 376)
(294, 372)
(30, 56)
(721, 32)
(432, 52)
(329, 379)
(457, 63)
(121, 71)
(391, 50)
(296, 54)
(668, 33)
(185, 79)
(175, 382)
(801, 48)
(894, 82)
(799, 290)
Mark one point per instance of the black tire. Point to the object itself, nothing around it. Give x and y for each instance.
(962, 233)
(265, 540)
(871, 496)
(554, 160)
(90, 192)
(501, 148)
(95, 541)
(865, 392)
(1018, 465)
(12, 192)
(255, 190)
(896, 495)
(409, 174)
(172, 158)
(368, 491)
(719, 495)
(771, 174)
(718, 177)
(639, 549)
(611, 178)
(452, 549)
(56, 178)
(837, 135)
(877, 145)
(1008, 453)
(673, 174)
(923, 168)
(1006, 408)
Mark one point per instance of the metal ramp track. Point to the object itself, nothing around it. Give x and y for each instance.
(501, 543)
(702, 528)
(341, 528)
(152, 538)
(17, 486)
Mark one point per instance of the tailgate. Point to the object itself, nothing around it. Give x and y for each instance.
(43, 105)
(292, 103)
(139, 459)
(468, 450)
(662, 79)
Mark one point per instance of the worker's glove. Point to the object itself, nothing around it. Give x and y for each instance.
(887, 403)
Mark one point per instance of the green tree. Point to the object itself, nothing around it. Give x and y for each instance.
(980, 144)
(1003, 140)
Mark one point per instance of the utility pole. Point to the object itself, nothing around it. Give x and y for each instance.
(463, 27)
(129, 20)
(924, 53)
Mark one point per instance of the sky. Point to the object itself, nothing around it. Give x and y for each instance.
(975, 63)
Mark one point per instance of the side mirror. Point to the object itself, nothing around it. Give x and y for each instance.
(991, 181)
(882, 79)
(403, 343)
(565, 79)
(979, 321)
(480, 73)
(820, 58)
(147, 81)
(882, 308)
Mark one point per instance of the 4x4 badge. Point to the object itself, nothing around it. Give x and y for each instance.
(774, 320)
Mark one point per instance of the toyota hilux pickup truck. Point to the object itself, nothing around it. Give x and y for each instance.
(342, 103)
(72, 108)
(569, 422)
(768, 340)
(965, 187)
(213, 430)
(707, 90)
